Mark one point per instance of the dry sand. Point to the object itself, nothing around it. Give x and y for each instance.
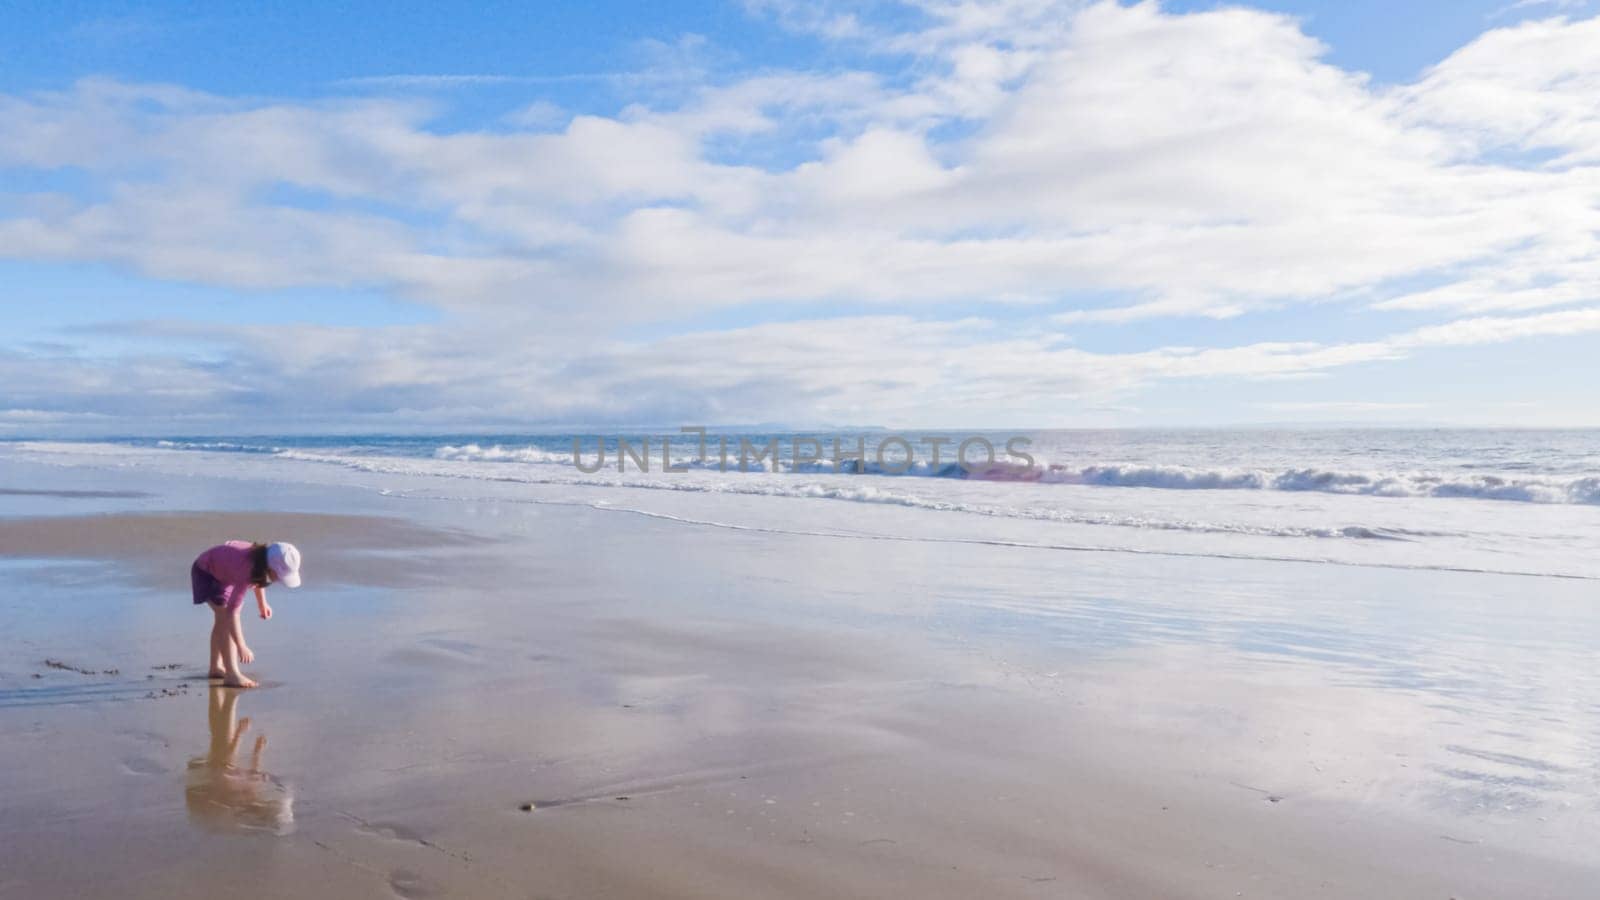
(577, 704)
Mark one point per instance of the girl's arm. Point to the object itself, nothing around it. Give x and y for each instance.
(261, 602)
(237, 628)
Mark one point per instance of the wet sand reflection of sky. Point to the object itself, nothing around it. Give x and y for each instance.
(1487, 684)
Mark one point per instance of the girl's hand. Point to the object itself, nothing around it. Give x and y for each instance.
(266, 611)
(246, 655)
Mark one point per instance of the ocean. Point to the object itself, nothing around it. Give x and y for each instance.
(1500, 501)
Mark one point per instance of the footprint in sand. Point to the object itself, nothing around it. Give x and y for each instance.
(410, 885)
(394, 833)
(139, 765)
(144, 737)
(438, 652)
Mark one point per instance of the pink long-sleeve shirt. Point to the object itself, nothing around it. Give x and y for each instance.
(230, 564)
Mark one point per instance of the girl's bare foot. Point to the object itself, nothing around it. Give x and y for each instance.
(239, 682)
(216, 673)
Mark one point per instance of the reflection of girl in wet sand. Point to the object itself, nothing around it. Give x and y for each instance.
(224, 797)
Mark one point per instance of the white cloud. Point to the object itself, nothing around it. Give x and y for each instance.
(887, 368)
(1205, 164)
(444, 81)
(1554, 5)
(1526, 88)
(1033, 153)
(1347, 407)
(820, 18)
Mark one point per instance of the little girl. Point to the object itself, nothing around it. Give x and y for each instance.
(220, 576)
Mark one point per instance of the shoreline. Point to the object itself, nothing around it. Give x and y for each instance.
(1459, 533)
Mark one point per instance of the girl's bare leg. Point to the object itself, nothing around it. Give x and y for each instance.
(224, 636)
(221, 633)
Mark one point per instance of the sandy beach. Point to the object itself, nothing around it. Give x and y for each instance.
(800, 449)
(521, 700)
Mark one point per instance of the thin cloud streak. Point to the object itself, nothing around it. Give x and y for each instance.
(442, 82)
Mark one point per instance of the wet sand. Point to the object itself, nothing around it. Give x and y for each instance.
(520, 701)
(155, 549)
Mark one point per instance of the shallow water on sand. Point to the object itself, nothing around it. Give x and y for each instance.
(585, 702)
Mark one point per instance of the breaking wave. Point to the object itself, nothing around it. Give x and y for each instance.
(1532, 489)
(1413, 484)
(857, 493)
(1466, 482)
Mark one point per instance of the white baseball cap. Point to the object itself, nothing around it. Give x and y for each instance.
(284, 561)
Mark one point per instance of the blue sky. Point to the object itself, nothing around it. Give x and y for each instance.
(972, 213)
(303, 49)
